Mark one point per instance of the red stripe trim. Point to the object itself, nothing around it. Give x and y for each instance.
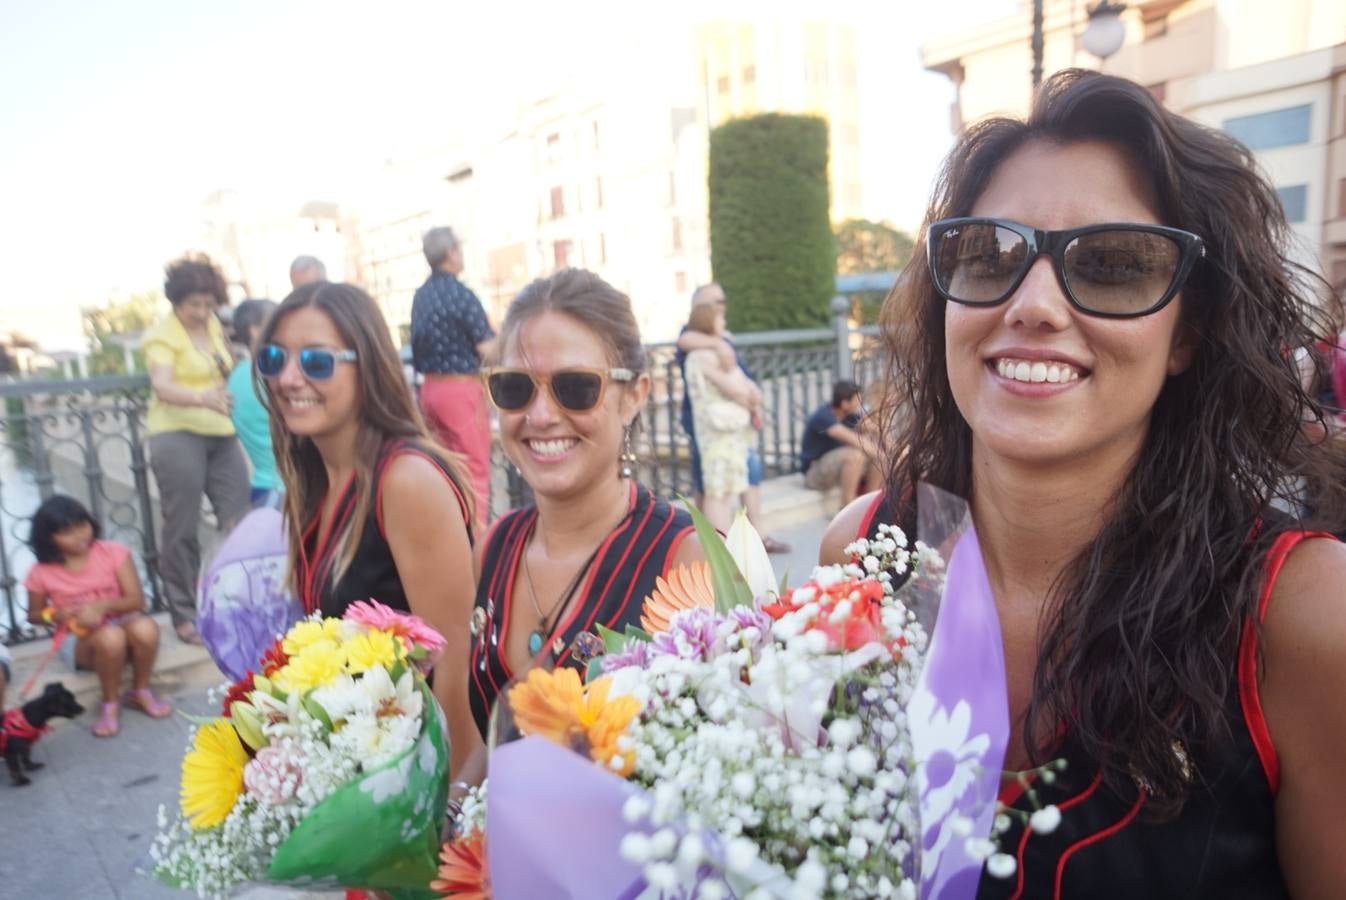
(408, 450)
(673, 547)
(1094, 839)
(870, 513)
(1250, 699)
(312, 568)
(505, 592)
(1063, 806)
(597, 565)
(640, 566)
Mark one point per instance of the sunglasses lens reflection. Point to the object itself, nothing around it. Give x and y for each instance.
(510, 390)
(270, 360)
(577, 391)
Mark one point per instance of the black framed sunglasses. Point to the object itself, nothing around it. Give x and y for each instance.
(1116, 270)
(575, 389)
(317, 363)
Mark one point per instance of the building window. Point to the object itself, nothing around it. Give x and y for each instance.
(561, 253)
(749, 74)
(602, 249)
(722, 84)
(1294, 200)
(1278, 128)
(595, 135)
(558, 202)
(672, 189)
(680, 282)
(815, 71)
(553, 147)
(677, 233)
(598, 192)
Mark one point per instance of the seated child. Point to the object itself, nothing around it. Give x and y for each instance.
(91, 587)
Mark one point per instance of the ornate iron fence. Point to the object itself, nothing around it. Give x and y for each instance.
(87, 439)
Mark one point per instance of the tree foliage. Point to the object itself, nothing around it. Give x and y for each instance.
(118, 318)
(771, 240)
(866, 246)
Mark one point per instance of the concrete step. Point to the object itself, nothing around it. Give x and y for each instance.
(786, 503)
(176, 664)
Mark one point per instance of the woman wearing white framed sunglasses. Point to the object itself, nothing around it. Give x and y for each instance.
(569, 391)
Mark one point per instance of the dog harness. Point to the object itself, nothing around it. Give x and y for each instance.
(16, 725)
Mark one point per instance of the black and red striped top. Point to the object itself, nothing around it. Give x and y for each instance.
(620, 577)
(1222, 844)
(372, 574)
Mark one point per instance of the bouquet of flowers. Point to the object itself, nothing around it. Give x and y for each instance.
(747, 741)
(326, 768)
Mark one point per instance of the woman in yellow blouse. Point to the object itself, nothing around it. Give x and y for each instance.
(193, 449)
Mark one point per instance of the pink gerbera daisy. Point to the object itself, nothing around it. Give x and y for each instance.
(410, 628)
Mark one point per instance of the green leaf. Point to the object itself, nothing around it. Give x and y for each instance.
(594, 670)
(315, 710)
(612, 641)
(731, 590)
(636, 633)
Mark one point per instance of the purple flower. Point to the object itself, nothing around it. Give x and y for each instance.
(691, 635)
(745, 617)
(636, 653)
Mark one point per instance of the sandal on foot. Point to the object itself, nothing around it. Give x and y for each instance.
(188, 634)
(145, 701)
(108, 723)
(771, 545)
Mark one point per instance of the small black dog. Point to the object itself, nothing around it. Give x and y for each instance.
(22, 726)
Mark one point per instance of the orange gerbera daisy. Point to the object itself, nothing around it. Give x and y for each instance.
(463, 873)
(689, 586)
(556, 706)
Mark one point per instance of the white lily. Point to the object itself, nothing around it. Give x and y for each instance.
(749, 554)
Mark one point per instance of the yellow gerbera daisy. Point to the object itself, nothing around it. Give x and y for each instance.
(373, 648)
(556, 706)
(317, 665)
(308, 632)
(212, 774)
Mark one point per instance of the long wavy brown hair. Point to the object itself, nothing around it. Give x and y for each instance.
(1141, 632)
(386, 409)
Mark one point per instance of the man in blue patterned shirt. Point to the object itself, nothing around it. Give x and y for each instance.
(449, 337)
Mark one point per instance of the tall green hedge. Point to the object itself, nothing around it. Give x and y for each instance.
(770, 235)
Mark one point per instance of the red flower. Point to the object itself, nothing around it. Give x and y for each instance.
(274, 659)
(238, 691)
(463, 871)
(862, 625)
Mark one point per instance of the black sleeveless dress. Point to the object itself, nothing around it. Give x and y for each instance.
(1222, 844)
(372, 573)
(621, 576)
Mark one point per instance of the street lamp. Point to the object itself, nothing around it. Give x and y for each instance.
(1105, 33)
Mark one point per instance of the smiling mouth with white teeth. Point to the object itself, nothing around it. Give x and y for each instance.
(1037, 371)
(301, 402)
(552, 447)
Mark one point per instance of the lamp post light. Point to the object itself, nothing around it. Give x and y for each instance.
(1037, 45)
(1105, 33)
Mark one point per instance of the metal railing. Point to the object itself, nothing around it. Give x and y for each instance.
(88, 439)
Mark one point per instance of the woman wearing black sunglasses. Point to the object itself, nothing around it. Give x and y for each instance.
(1094, 350)
(374, 508)
(569, 391)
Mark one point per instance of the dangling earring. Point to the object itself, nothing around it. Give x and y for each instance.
(626, 464)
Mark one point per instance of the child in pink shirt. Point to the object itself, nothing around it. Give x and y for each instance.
(90, 587)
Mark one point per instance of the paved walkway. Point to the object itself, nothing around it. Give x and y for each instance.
(80, 830)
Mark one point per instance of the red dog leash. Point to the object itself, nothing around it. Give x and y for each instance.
(57, 639)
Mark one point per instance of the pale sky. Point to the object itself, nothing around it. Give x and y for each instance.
(118, 119)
